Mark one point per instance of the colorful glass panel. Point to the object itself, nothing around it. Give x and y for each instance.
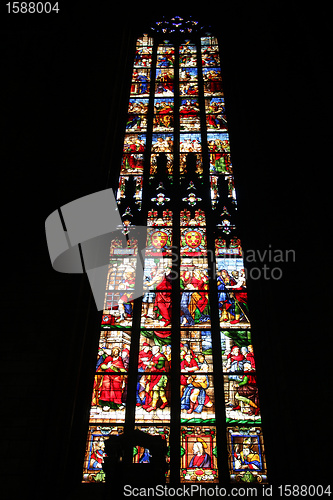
(247, 462)
(198, 455)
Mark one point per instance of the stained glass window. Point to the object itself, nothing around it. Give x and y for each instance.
(177, 361)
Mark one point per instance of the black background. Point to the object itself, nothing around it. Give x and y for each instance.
(65, 90)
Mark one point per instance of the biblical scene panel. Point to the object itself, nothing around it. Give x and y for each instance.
(165, 56)
(242, 404)
(160, 308)
(232, 297)
(109, 396)
(140, 85)
(196, 351)
(155, 270)
(189, 113)
(247, 462)
(188, 82)
(195, 309)
(162, 143)
(197, 399)
(230, 272)
(212, 82)
(132, 163)
(198, 455)
(163, 115)
(121, 274)
(95, 452)
(138, 106)
(210, 56)
(237, 349)
(136, 123)
(190, 143)
(153, 398)
(194, 273)
(113, 350)
(215, 113)
(187, 55)
(134, 143)
(164, 86)
(118, 308)
(155, 351)
(143, 57)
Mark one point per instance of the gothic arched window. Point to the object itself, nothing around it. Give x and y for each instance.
(178, 361)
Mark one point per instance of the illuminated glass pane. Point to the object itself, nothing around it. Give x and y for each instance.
(188, 75)
(193, 241)
(197, 398)
(162, 143)
(234, 248)
(114, 349)
(218, 141)
(120, 307)
(143, 56)
(157, 218)
(237, 349)
(233, 308)
(109, 396)
(187, 55)
(194, 273)
(190, 143)
(231, 271)
(121, 274)
(162, 308)
(195, 309)
(189, 114)
(215, 113)
(212, 82)
(242, 397)
(159, 242)
(195, 351)
(163, 115)
(140, 82)
(153, 398)
(209, 40)
(155, 269)
(136, 123)
(138, 106)
(132, 163)
(186, 219)
(198, 455)
(210, 56)
(165, 56)
(247, 462)
(95, 452)
(134, 143)
(164, 85)
(155, 351)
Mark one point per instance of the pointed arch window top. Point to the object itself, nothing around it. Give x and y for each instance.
(176, 24)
